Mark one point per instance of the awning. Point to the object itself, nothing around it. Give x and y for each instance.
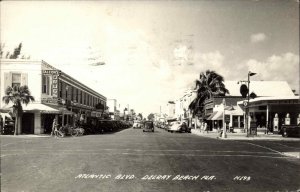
(218, 116)
(41, 108)
(233, 110)
(212, 115)
(4, 110)
(32, 107)
(65, 111)
(3, 115)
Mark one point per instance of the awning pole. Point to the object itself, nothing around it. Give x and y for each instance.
(267, 119)
(63, 119)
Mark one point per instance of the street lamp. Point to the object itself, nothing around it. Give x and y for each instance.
(248, 98)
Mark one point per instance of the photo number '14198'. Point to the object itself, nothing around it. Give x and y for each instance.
(242, 178)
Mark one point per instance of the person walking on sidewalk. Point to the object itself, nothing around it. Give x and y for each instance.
(54, 127)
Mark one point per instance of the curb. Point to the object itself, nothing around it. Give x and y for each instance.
(25, 136)
(243, 137)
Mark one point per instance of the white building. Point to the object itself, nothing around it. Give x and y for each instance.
(171, 109)
(214, 107)
(113, 109)
(56, 94)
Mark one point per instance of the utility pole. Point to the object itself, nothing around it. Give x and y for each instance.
(248, 99)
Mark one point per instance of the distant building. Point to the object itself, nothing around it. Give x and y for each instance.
(171, 109)
(113, 109)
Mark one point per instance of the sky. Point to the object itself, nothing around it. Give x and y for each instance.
(146, 53)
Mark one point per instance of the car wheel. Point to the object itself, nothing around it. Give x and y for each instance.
(285, 134)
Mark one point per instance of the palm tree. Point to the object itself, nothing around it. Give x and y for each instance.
(208, 85)
(17, 95)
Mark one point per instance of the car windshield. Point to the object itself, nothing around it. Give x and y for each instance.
(148, 124)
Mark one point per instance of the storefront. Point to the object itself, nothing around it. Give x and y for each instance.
(233, 114)
(273, 112)
(56, 94)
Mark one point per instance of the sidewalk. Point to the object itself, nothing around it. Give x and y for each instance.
(26, 135)
(243, 136)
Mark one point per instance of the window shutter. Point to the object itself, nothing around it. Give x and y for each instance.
(7, 80)
(24, 80)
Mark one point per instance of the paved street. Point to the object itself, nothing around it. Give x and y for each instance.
(131, 160)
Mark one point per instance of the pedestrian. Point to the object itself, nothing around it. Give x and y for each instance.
(205, 127)
(54, 127)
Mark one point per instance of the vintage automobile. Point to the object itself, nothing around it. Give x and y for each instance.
(290, 130)
(179, 127)
(148, 126)
(137, 125)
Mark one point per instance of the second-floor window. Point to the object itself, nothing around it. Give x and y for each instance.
(16, 79)
(46, 85)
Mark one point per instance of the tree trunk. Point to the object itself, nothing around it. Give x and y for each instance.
(16, 124)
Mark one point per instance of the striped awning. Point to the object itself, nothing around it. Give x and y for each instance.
(218, 116)
(212, 115)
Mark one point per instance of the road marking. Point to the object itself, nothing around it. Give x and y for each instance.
(261, 147)
(289, 154)
(137, 150)
(287, 146)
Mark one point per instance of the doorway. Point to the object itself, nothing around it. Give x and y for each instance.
(28, 123)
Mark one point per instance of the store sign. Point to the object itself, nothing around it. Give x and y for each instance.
(49, 100)
(54, 74)
(51, 72)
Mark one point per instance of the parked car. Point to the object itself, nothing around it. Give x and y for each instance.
(184, 128)
(290, 130)
(9, 127)
(178, 127)
(148, 126)
(137, 125)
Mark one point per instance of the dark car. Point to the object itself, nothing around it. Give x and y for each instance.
(105, 126)
(290, 130)
(184, 128)
(148, 126)
(9, 128)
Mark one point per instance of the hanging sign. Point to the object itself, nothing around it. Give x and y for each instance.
(55, 74)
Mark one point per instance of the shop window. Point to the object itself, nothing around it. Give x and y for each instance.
(235, 121)
(241, 121)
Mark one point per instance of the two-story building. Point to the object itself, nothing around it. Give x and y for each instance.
(57, 95)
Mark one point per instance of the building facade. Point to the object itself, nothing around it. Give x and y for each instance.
(231, 106)
(57, 95)
(114, 112)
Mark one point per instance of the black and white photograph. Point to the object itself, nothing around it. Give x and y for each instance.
(149, 96)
